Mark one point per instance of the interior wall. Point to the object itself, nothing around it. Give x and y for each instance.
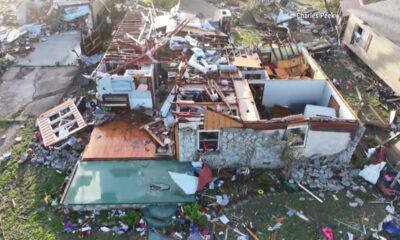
(344, 111)
(317, 71)
(293, 93)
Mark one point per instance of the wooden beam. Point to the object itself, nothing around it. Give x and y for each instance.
(377, 114)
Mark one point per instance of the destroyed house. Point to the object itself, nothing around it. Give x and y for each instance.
(179, 99)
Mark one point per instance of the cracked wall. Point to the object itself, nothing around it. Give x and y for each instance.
(237, 148)
(264, 149)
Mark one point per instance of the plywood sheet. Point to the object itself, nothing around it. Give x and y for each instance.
(119, 140)
(248, 62)
(215, 121)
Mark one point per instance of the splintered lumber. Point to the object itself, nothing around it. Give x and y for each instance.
(251, 233)
(219, 91)
(146, 127)
(377, 114)
(359, 94)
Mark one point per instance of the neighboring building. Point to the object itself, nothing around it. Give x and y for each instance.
(343, 14)
(373, 34)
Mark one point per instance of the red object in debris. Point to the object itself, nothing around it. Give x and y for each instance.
(343, 47)
(38, 137)
(206, 146)
(349, 85)
(30, 152)
(380, 154)
(327, 232)
(205, 176)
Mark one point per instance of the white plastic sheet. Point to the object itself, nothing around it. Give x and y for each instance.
(186, 182)
(371, 172)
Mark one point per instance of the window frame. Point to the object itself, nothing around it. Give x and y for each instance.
(204, 130)
(297, 127)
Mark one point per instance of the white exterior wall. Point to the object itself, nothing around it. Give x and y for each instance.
(325, 143)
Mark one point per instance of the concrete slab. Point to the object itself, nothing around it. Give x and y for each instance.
(56, 49)
(37, 107)
(54, 80)
(33, 87)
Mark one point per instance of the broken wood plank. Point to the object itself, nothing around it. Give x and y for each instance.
(359, 95)
(377, 114)
(219, 91)
(393, 99)
(391, 138)
(251, 233)
(309, 192)
(146, 127)
(376, 123)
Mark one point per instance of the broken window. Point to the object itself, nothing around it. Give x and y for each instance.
(357, 35)
(296, 136)
(208, 140)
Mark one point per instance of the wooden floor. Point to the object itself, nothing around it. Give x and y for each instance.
(119, 140)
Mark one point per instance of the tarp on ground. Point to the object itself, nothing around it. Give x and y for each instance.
(90, 60)
(33, 29)
(156, 236)
(186, 182)
(111, 183)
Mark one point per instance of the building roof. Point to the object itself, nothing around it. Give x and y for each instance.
(124, 183)
(383, 17)
(348, 4)
(199, 7)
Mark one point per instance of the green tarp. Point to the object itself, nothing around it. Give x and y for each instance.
(125, 183)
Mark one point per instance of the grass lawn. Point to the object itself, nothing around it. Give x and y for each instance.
(335, 68)
(262, 211)
(318, 4)
(27, 186)
(247, 36)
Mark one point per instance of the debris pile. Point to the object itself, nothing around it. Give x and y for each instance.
(62, 158)
(326, 177)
